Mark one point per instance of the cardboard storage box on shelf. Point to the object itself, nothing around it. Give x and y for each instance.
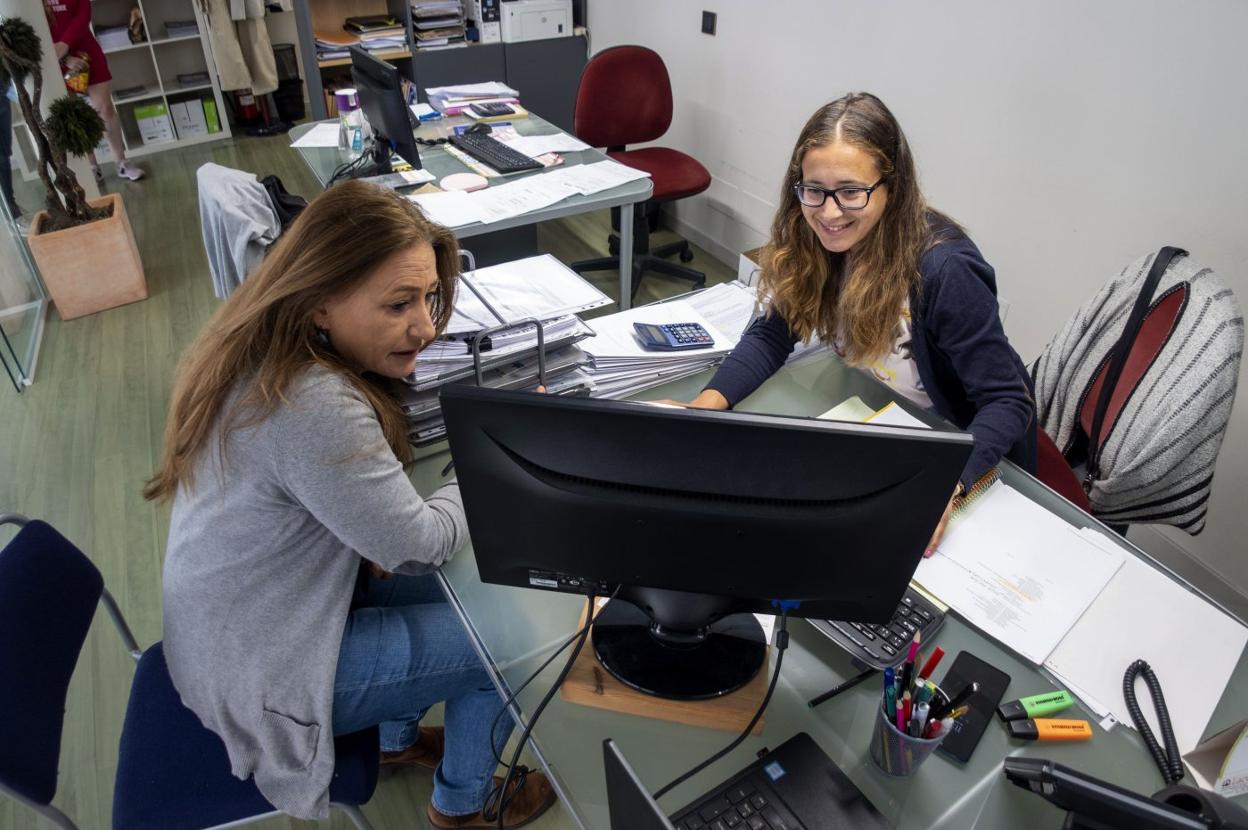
(154, 124)
(188, 118)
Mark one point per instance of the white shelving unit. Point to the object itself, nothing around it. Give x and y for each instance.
(155, 65)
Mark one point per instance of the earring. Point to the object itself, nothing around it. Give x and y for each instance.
(322, 335)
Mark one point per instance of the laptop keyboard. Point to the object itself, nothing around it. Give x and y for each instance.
(880, 646)
(745, 804)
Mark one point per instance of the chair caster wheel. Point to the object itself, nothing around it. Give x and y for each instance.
(686, 255)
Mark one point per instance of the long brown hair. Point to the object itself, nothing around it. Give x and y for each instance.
(264, 332)
(857, 298)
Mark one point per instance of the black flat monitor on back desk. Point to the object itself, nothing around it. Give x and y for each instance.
(380, 88)
(699, 518)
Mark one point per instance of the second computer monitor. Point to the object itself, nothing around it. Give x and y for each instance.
(380, 89)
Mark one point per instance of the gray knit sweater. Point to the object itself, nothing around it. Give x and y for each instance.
(262, 561)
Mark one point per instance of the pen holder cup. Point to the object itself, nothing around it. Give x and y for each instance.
(895, 752)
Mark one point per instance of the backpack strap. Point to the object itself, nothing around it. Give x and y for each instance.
(1118, 358)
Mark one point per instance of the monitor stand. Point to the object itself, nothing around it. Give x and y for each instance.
(378, 153)
(681, 663)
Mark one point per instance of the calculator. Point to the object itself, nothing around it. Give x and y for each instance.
(493, 110)
(671, 337)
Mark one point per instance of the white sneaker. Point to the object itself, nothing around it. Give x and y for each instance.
(128, 171)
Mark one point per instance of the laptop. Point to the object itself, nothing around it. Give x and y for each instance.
(793, 787)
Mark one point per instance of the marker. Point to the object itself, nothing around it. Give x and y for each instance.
(924, 710)
(906, 706)
(1036, 706)
(901, 719)
(932, 662)
(1050, 729)
(907, 670)
(924, 694)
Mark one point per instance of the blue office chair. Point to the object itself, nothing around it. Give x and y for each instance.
(172, 772)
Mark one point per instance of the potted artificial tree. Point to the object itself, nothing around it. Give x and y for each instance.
(84, 248)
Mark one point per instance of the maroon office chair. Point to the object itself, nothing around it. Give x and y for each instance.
(625, 97)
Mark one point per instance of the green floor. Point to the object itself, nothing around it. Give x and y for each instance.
(76, 447)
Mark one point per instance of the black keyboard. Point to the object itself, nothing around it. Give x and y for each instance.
(881, 646)
(744, 804)
(494, 153)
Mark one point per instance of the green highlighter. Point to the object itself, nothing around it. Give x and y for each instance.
(1036, 706)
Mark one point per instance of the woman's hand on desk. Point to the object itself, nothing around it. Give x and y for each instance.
(939, 533)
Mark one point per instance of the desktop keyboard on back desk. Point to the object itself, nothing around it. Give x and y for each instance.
(881, 646)
(494, 153)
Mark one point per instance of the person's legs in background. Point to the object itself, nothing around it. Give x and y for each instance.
(405, 649)
(6, 150)
(101, 97)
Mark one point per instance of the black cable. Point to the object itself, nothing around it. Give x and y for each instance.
(512, 698)
(498, 798)
(782, 642)
(1168, 760)
(520, 772)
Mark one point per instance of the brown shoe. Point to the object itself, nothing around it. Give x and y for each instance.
(426, 752)
(526, 804)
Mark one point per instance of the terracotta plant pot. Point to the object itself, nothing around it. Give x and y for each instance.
(92, 267)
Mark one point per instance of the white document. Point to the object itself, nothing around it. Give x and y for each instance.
(322, 135)
(852, 410)
(1144, 614)
(422, 111)
(894, 416)
(537, 145)
(588, 179)
(469, 315)
(518, 197)
(1025, 589)
(540, 286)
(452, 208)
(731, 306)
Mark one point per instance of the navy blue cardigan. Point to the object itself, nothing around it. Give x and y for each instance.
(974, 377)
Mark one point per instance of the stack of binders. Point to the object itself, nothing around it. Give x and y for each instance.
(500, 308)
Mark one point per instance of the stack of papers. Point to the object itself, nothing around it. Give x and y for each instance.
(452, 100)
(438, 23)
(620, 366)
(504, 201)
(112, 38)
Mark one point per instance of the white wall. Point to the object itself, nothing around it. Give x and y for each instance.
(1069, 137)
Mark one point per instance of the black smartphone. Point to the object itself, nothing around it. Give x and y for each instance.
(967, 730)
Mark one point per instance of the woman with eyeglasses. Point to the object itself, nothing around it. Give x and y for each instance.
(858, 260)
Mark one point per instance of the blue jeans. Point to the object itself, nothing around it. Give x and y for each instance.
(403, 650)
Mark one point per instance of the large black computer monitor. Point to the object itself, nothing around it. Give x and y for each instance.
(1098, 805)
(700, 517)
(381, 97)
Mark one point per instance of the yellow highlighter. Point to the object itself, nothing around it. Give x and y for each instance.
(1051, 729)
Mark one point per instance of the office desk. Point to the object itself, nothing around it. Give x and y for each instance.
(324, 160)
(515, 629)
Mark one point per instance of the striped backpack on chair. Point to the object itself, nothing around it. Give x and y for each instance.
(1136, 390)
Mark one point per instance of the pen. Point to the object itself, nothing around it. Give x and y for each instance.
(957, 700)
(836, 690)
(932, 662)
(890, 691)
(901, 719)
(924, 710)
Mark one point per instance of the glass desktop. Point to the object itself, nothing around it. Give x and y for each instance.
(516, 629)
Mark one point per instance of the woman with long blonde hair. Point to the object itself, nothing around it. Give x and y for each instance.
(284, 457)
(858, 260)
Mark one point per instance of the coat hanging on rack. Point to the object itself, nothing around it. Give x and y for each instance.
(240, 44)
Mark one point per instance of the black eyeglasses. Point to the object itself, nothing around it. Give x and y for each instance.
(846, 198)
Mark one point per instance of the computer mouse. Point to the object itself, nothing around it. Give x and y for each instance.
(479, 128)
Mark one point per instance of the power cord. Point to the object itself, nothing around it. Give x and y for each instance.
(782, 642)
(498, 799)
(1168, 759)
